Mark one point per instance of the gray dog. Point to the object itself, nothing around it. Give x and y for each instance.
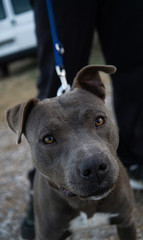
(73, 144)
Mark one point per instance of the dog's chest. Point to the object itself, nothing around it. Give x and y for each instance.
(82, 222)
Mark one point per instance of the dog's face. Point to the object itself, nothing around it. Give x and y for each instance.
(72, 138)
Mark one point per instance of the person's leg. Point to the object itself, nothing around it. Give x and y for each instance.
(119, 25)
(75, 26)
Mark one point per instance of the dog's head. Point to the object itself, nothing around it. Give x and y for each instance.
(72, 138)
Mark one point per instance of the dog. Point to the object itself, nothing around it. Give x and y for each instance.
(73, 146)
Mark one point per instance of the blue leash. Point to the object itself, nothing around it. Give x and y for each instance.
(58, 51)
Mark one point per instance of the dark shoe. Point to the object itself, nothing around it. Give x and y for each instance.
(135, 173)
(27, 227)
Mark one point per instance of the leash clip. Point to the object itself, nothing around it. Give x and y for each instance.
(59, 47)
(65, 87)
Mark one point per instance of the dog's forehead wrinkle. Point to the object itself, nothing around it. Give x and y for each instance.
(53, 114)
(80, 109)
(78, 97)
(58, 114)
(70, 107)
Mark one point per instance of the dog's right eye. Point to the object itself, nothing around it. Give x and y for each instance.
(99, 121)
(49, 139)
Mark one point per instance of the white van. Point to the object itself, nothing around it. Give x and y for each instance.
(17, 30)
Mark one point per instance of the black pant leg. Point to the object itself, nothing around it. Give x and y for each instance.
(47, 83)
(120, 28)
(75, 24)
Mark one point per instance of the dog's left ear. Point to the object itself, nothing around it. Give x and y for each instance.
(89, 79)
(16, 116)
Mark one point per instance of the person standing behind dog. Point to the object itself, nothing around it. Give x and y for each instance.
(120, 30)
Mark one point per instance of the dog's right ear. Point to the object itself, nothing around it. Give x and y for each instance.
(17, 115)
(88, 78)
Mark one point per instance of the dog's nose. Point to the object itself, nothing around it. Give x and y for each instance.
(95, 170)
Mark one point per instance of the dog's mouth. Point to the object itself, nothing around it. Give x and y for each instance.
(97, 194)
(91, 196)
(67, 192)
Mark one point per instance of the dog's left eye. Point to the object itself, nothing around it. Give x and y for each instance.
(49, 139)
(99, 121)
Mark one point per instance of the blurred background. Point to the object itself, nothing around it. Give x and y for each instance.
(17, 33)
(18, 64)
